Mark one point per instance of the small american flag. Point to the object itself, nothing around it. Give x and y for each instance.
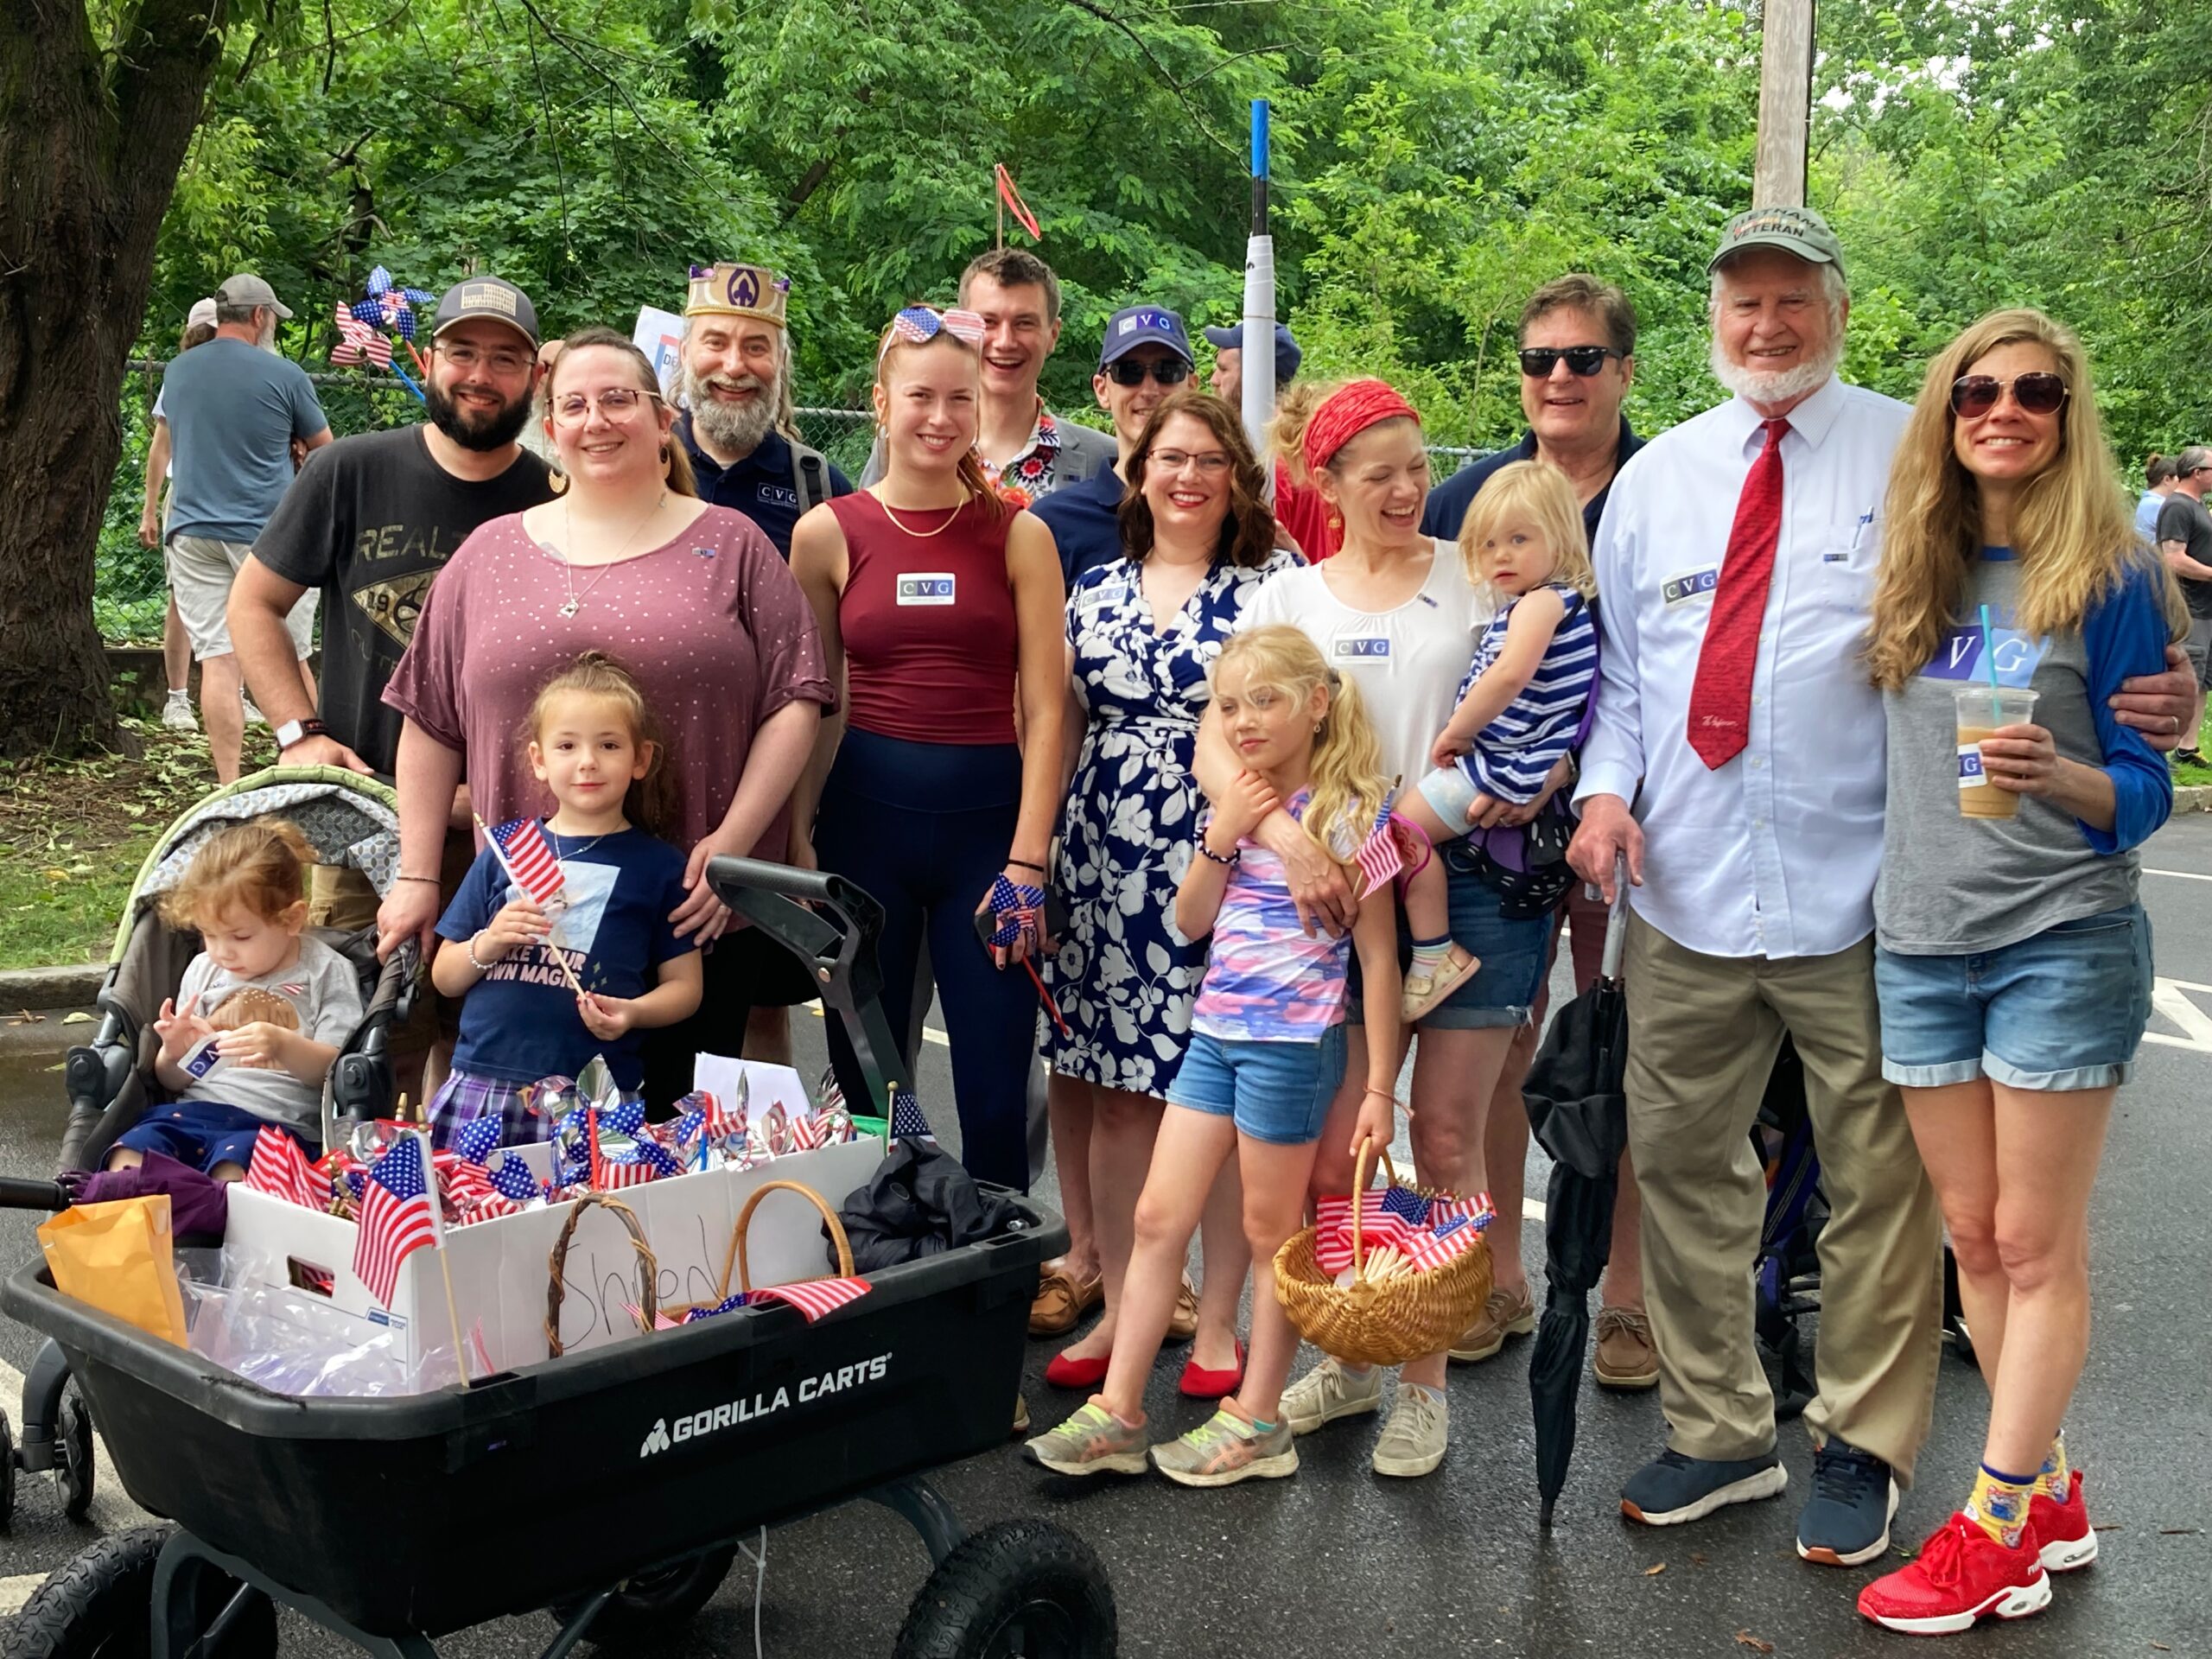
(280, 1168)
(661, 1321)
(1479, 1209)
(1404, 1202)
(528, 858)
(907, 1122)
(807, 1132)
(1379, 857)
(815, 1297)
(1332, 1225)
(1432, 1251)
(359, 342)
(398, 1218)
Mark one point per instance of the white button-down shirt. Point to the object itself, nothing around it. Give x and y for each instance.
(1776, 852)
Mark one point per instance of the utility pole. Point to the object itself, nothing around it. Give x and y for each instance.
(1785, 105)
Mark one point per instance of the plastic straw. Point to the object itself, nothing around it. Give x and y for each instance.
(1989, 662)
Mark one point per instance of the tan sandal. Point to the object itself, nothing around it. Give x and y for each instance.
(1061, 1301)
(1424, 992)
(1182, 1324)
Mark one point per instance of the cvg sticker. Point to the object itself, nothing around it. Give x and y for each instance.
(924, 589)
(1690, 584)
(1374, 649)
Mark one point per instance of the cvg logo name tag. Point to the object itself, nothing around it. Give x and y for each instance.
(923, 588)
(1690, 584)
(1970, 772)
(1364, 650)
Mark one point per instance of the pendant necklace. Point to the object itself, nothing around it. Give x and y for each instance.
(568, 565)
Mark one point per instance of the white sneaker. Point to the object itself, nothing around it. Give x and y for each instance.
(253, 716)
(1330, 1391)
(176, 713)
(1414, 1435)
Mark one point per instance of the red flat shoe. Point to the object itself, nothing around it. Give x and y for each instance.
(1065, 1373)
(1202, 1384)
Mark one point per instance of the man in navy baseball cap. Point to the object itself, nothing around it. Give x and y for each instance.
(1228, 361)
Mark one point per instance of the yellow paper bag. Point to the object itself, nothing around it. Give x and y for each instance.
(119, 1258)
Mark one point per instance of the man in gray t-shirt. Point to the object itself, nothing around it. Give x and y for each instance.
(235, 410)
(2185, 538)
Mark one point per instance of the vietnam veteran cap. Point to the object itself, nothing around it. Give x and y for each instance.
(1794, 229)
(489, 297)
(735, 291)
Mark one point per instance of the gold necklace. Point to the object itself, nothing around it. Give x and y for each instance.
(920, 535)
(569, 566)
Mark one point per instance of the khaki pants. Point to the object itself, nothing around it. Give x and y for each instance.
(1703, 1033)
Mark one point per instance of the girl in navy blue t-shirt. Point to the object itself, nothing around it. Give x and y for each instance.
(591, 743)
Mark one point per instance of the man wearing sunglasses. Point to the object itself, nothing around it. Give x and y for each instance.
(1578, 360)
(1735, 569)
(2185, 538)
(1144, 360)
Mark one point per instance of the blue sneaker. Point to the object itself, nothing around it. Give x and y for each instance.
(1845, 1523)
(1672, 1489)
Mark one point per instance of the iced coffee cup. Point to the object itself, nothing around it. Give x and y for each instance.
(1982, 711)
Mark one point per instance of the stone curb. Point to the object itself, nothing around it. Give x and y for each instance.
(2195, 797)
(69, 987)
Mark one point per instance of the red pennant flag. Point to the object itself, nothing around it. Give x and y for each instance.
(1015, 204)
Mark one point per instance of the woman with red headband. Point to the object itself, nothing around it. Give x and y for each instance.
(935, 601)
(1394, 612)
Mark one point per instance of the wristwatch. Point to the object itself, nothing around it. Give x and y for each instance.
(293, 730)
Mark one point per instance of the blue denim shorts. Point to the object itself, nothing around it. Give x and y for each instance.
(204, 1133)
(1515, 954)
(2064, 1009)
(1277, 1092)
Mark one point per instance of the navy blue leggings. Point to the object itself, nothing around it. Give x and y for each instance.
(924, 827)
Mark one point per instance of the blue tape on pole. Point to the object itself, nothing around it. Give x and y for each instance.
(1258, 137)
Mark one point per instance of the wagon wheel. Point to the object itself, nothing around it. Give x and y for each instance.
(6, 1470)
(72, 1463)
(1020, 1590)
(651, 1606)
(98, 1606)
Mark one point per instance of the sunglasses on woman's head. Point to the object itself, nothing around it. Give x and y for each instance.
(1128, 371)
(1537, 362)
(2038, 393)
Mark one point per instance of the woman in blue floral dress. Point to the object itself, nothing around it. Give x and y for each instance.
(1142, 633)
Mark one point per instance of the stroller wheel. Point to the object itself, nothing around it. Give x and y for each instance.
(6, 1470)
(100, 1602)
(1020, 1590)
(652, 1605)
(73, 1465)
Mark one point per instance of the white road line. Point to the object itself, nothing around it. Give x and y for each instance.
(2178, 875)
(2168, 1002)
(13, 1592)
(112, 1510)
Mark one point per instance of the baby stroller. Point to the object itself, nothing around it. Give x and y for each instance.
(350, 820)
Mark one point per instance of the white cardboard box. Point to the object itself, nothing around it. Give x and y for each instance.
(499, 1267)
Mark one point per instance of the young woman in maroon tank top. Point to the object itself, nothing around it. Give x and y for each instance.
(940, 606)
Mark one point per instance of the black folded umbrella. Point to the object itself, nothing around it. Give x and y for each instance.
(1578, 1114)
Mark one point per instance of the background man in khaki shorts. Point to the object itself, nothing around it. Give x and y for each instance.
(234, 409)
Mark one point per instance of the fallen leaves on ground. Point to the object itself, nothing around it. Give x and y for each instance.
(1758, 1644)
(76, 1017)
(25, 1017)
(1654, 1571)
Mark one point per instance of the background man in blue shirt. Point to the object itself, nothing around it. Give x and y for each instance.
(739, 424)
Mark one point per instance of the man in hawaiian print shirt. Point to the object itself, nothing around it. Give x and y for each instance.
(1025, 448)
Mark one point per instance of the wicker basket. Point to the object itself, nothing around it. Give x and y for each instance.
(648, 1266)
(1379, 1324)
(735, 1261)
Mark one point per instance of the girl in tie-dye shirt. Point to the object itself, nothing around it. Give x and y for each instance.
(1266, 1053)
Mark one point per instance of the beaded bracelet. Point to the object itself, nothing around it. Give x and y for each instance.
(1222, 858)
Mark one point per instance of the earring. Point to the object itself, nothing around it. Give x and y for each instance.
(1317, 729)
(556, 480)
(1335, 521)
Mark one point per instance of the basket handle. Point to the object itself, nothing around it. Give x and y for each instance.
(648, 1266)
(1370, 1148)
(745, 1220)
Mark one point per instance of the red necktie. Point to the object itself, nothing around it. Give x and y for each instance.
(1720, 697)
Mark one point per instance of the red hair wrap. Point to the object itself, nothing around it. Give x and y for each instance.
(1347, 412)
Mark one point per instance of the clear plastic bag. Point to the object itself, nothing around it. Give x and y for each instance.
(290, 1341)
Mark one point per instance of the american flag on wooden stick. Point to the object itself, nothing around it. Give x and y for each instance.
(281, 1169)
(397, 1217)
(1379, 858)
(530, 863)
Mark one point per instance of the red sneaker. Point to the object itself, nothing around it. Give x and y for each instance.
(1961, 1573)
(2064, 1538)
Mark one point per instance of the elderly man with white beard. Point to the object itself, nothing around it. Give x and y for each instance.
(738, 422)
(1736, 563)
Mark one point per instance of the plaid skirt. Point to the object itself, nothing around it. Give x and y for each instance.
(465, 1097)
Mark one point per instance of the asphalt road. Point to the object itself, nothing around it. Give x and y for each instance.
(1338, 1560)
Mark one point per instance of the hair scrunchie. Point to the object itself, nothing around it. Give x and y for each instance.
(1347, 412)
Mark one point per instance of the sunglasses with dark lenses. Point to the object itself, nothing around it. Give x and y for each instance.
(1128, 371)
(2038, 393)
(1537, 362)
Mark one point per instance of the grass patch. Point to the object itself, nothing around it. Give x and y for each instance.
(74, 833)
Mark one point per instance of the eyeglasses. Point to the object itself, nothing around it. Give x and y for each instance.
(1130, 372)
(468, 357)
(616, 403)
(1212, 463)
(2038, 392)
(1537, 362)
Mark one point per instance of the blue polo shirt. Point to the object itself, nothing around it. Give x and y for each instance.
(759, 487)
(1084, 519)
(1449, 501)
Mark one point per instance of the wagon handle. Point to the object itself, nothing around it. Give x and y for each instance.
(648, 1266)
(744, 1219)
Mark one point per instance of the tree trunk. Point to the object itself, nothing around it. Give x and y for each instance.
(91, 140)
